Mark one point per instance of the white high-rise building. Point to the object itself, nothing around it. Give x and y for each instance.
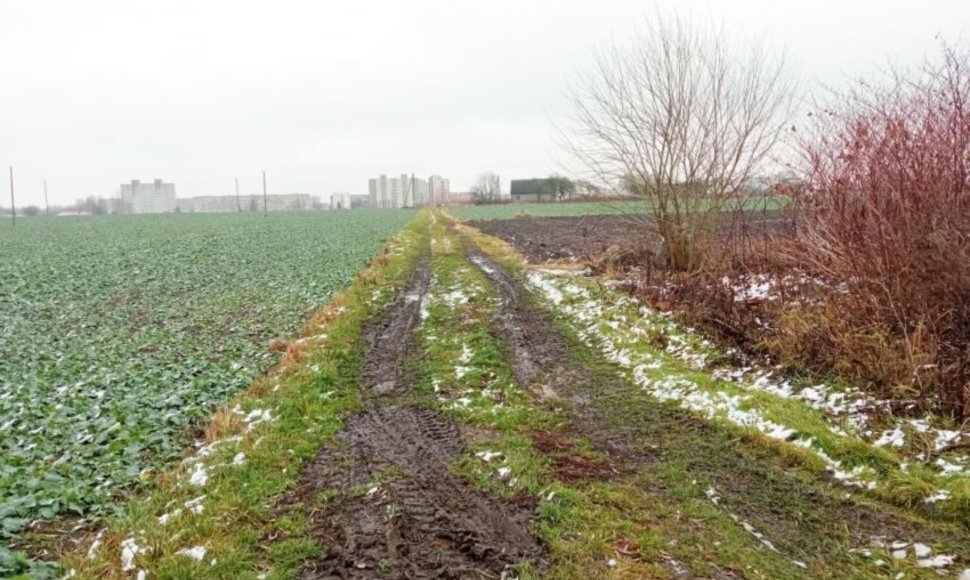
(403, 191)
(439, 190)
(154, 197)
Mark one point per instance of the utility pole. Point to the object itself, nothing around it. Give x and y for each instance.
(47, 206)
(265, 211)
(13, 205)
(238, 203)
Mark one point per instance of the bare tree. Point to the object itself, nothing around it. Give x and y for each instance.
(487, 188)
(682, 117)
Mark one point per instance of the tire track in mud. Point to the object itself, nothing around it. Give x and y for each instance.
(391, 340)
(395, 509)
(536, 346)
(539, 351)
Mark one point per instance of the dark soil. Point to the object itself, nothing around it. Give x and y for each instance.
(564, 238)
(400, 513)
(568, 463)
(390, 340)
(575, 238)
(383, 502)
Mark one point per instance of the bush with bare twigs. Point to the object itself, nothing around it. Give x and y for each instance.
(886, 215)
(684, 117)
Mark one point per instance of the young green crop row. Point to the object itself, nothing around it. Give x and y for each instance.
(118, 335)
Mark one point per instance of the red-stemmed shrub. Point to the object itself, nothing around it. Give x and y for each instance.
(885, 218)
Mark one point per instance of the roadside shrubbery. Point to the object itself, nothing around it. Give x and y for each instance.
(871, 281)
(886, 214)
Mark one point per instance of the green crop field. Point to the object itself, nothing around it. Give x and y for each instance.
(119, 334)
(572, 209)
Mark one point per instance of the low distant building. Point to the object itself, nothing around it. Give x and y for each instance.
(359, 201)
(340, 201)
(154, 197)
(276, 202)
(542, 189)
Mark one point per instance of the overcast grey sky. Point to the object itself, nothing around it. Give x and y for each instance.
(325, 94)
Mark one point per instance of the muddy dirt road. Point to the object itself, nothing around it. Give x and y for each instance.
(397, 510)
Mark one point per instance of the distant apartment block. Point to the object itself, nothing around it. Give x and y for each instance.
(254, 203)
(405, 191)
(154, 197)
(439, 190)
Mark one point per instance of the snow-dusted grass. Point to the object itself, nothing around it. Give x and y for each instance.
(828, 424)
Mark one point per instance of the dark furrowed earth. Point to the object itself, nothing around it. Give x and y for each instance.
(541, 239)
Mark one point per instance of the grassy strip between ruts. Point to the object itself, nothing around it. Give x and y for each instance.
(212, 517)
(592, 526)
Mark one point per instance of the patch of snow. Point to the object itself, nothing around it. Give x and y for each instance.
(195, 505)
(939, 495)
(196, 553)
(129, 549)
(239, 459)
(257, 416)
(893, 437)
(93, 550)
(487, 456)
(483, 264)
(938, 561)
(165, 518)
(199, 476)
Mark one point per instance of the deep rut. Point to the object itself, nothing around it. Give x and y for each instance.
(391, 340)
(394, 509)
